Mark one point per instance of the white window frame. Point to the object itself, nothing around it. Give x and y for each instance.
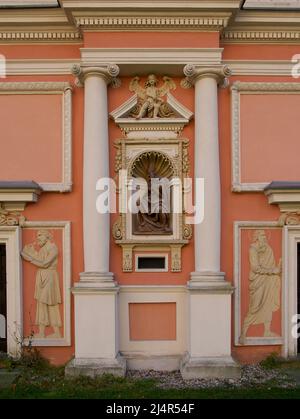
(152, 255)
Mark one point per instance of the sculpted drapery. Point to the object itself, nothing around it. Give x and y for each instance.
(47, 291)
(264, 285)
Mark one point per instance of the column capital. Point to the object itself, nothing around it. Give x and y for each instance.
(107, 72)
(193, 73)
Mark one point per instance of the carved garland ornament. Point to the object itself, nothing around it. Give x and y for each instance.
(11, 218)
(289, 218)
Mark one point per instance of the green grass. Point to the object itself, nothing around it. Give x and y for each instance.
(51, 384)
(39, 380)
(108, 388)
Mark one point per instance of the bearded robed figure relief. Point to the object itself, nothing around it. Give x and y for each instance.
(264, 286)
(153, 169)
(47, 290)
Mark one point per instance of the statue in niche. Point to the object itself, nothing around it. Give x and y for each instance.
(265, 280)
(47, 291)
(154, 215)
(151, 103)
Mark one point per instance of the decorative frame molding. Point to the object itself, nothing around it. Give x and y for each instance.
(253, 225)
(66, 238)
(237, 89)
(128, 149)
(153, 294)
(51, 88)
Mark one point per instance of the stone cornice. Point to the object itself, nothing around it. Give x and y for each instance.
(163, 23)
(44, 36)
(260, 35)
(129, 6)
(284, 194)
(271, 18)
(263, 27)
(155, 15)
(67, 24)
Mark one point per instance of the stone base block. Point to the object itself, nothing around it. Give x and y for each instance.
(218, 367)
(153, 362)
(96, 367)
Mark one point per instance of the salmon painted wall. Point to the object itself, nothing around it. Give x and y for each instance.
(68, 207)
(54, 206)
(151, 40)
(32, 129)
(270, 129)
(144, 318)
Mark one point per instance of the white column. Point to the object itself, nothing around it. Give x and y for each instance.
(208, 233)
(209, 345)
(96, 227)
(207, 166)
(95, 295)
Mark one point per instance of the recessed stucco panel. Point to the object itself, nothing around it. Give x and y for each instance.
(269, 137)
(31, 137)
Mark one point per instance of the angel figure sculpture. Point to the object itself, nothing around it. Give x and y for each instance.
(151, 97)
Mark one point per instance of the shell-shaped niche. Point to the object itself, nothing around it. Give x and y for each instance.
(152, 164)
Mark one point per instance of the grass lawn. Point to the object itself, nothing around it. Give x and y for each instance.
(108, 387)
(38, 380)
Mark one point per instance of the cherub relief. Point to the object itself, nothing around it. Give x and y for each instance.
(151, 103)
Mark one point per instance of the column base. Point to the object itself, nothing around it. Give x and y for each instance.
(95, 281)
(96, 367)
(209, 281)
(205, 367)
